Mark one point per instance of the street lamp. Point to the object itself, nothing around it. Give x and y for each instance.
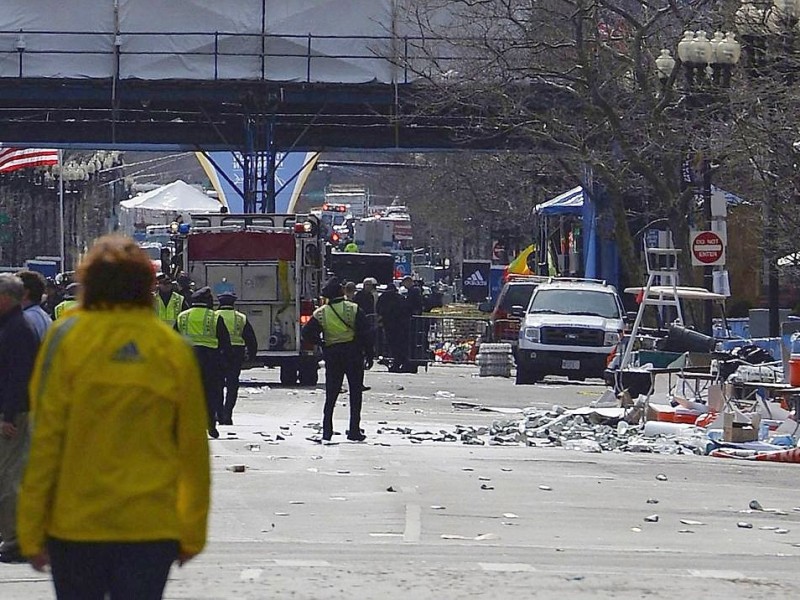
(768, 35)
(701, 56)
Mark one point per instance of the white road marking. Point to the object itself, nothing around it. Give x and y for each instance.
(302, 563)
(507, 567)
(413, 529)
(250, 574)
(714, 574)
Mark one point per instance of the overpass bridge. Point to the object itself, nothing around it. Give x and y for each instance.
(256, 76)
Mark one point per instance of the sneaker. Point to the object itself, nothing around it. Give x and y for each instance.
(12, 557)
(213, 432)
(328, 442)
(357, 438)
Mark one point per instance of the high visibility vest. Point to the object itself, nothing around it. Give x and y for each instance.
(63, 306)
(235, 322)
(351, 247)
(199, 325)
(337, 329)
(169, 312)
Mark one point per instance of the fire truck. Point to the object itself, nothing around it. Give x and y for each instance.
(274, 263)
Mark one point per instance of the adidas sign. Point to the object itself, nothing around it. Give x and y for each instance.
(476, 279)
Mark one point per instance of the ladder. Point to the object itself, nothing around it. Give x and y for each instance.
(660, 290)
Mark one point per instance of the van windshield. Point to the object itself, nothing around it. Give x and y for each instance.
(576, 302)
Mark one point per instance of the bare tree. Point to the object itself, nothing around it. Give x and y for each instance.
(578, 79)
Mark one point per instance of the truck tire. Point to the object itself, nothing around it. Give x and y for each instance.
(289, 374)
(527, 376)
(309, 372)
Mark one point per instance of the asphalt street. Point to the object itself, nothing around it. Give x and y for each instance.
(391, 518)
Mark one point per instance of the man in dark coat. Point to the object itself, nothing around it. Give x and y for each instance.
(18, 347)
(394, 318)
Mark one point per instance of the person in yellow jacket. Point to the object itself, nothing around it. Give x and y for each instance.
(69, 302)
(243, 345)
(168, 303)
(343, 331)
(209, 337)
(117, 484)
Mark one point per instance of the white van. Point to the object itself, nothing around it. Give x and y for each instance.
(570, 327)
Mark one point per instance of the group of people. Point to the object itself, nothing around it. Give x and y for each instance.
(394, 313)
(222, 339)
(104, 465)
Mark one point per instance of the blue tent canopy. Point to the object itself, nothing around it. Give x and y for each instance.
(571, 202)
(568, 203)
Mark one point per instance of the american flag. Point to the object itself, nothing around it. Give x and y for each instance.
(12, 159)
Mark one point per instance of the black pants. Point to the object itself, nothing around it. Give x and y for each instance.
(343, 360)
(126, 571)
(398, 339)
(230, 380)
(211, 369)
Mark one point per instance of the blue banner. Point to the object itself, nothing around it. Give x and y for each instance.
(288, 165)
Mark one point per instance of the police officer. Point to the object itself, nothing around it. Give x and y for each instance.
(343, 331)
(169, 304)
(243, 343)
(207, 333)
(70, 300)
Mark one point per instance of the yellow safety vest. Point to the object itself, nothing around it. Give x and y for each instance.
(63, 306)
(235, 322)
(199, 325)
(337, 328)
(169, 312)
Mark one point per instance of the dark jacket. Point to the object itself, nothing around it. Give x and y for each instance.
(18, 347)
(414, 301)
(312, 332)
(366, 301)
(392, 310)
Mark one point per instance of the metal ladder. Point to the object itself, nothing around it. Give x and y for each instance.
(662, 271)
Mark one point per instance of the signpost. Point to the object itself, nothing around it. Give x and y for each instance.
(708, 248)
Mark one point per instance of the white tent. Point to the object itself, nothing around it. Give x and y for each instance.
(164, 205)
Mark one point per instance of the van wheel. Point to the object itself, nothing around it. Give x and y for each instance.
(309, 373)
(289, 374)
(527, 376)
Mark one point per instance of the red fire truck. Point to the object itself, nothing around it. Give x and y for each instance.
(275, 265)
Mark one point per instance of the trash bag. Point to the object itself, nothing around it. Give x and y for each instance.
(752, 355)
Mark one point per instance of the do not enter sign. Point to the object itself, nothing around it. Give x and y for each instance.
(708, 248)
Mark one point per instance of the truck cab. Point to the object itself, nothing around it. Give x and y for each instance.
(569, 328)
(275, 265)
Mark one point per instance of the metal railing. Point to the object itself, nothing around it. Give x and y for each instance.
(219, 55)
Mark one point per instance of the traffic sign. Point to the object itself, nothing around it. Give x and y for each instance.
(708, 248)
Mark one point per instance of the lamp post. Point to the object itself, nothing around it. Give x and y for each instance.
(708, 65)
(768, 38)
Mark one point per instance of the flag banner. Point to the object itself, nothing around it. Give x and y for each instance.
(12, 159)
(519, 266)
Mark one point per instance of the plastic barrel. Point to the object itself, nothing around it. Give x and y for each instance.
(794, 370)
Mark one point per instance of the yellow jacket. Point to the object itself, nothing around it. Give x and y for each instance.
(119, 449)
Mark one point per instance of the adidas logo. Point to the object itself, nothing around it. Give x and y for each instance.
(128, 353)
(476, 278)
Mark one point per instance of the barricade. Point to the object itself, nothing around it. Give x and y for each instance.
(442, 339)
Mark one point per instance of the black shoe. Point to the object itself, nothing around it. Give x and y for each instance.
(12, 557)
(347, 433)
(365, 388)
(357, 438)
(213, 432)
(226, 421)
